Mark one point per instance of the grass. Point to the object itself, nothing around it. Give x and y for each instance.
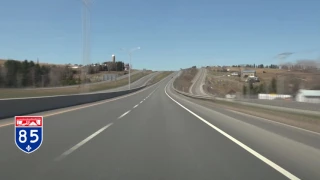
(222, 84)
(183, 82)
(160, 76)
(18, 93)
(309, 122)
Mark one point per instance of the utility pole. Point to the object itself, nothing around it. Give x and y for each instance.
(129, 54)
(86, 39)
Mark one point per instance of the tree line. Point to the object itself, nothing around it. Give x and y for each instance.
(271, 66)
(14, 74)
(18, 74)
(251, 89)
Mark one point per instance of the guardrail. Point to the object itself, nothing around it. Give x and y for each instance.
(21, 106)
(285, 109)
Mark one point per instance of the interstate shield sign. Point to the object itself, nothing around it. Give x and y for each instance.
(28, 133)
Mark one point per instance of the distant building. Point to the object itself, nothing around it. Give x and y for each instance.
(126, 67)
(235, 74)
(249, 73)
(310, 96)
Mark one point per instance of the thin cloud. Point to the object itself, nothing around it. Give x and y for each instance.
(284, 55)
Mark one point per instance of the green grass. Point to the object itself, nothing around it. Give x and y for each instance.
(18, 93)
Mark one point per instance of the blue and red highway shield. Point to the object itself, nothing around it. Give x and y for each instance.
(28, 133)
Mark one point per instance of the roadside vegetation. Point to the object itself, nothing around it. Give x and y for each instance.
(30, 74)
(309, 122)
(183, 82)
(159, 77)
(272, 80)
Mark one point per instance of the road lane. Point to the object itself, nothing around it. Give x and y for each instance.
(61, 132)
(198, 82)
(138, 83)
(194, 80)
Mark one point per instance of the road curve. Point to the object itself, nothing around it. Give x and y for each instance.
(158, 134)
(198, 82)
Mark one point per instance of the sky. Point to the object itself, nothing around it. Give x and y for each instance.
(172, 34)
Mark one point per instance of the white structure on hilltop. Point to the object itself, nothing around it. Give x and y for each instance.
(113, 58)
(310, 96)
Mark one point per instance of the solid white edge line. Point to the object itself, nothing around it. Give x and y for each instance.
(245, 147)
(136, 106)
(82, 143)
(271, 121)
(123, 114)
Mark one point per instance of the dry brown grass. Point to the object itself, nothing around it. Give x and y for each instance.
(221, 83)
(308, 122)
(183, 82)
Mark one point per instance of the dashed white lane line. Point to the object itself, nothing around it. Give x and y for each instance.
(124, 114)
(82, 143)
(136, 106)
(245, 147)
(141, 102)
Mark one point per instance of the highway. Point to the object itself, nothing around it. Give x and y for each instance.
(157, 134)
(138, 83)
(198, 82)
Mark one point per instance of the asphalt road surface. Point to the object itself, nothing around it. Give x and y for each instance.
(138, 83)
(198, 82)
(158, 134)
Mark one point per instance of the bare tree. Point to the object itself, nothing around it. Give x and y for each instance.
(55, 76)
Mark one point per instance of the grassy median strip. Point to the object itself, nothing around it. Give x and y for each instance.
(18, 93)
(159, 77)
(309, 122)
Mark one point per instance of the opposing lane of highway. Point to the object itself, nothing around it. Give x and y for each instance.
(149, 136)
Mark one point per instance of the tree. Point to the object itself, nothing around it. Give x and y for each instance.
(244, 90)
(120, 66)
(2, 81)
(262, 88)
(13, 68)
(273, 86)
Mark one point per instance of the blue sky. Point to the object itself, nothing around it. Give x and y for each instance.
(172, 34)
